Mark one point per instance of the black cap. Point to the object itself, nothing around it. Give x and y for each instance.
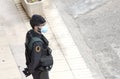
(36, 20)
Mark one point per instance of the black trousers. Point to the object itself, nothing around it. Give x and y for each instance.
(40, 75)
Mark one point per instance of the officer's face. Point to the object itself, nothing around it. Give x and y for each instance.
(41, 25)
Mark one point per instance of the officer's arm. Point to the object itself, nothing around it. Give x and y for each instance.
(35, 56)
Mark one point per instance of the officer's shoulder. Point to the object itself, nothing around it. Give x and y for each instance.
(37, 46)
(37, 43)
(30, 31)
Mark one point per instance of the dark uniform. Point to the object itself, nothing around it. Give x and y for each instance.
(33, 56)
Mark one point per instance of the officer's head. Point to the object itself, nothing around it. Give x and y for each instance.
(37, 22)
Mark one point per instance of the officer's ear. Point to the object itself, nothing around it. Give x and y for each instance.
(35, 28)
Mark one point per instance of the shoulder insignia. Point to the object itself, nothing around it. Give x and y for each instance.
(37, 49)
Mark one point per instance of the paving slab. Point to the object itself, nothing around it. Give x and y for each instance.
(8, 67)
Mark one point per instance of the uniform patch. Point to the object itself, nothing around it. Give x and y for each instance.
(37, 48)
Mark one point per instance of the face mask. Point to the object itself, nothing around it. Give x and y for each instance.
(44, 29)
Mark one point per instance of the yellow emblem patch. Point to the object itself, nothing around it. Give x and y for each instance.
(38, 48)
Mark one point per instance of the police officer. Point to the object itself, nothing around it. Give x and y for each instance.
(38, 24)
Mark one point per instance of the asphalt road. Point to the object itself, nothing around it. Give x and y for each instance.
(100, 30)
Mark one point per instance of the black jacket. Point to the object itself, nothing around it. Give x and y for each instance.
(33, 56)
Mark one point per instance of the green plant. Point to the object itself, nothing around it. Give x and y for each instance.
(33, 0)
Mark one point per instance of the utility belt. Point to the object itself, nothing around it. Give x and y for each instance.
(43, 68)
(46, 61)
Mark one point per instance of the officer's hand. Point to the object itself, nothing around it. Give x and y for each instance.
(26, 72)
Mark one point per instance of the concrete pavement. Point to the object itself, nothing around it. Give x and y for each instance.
(68, 61)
